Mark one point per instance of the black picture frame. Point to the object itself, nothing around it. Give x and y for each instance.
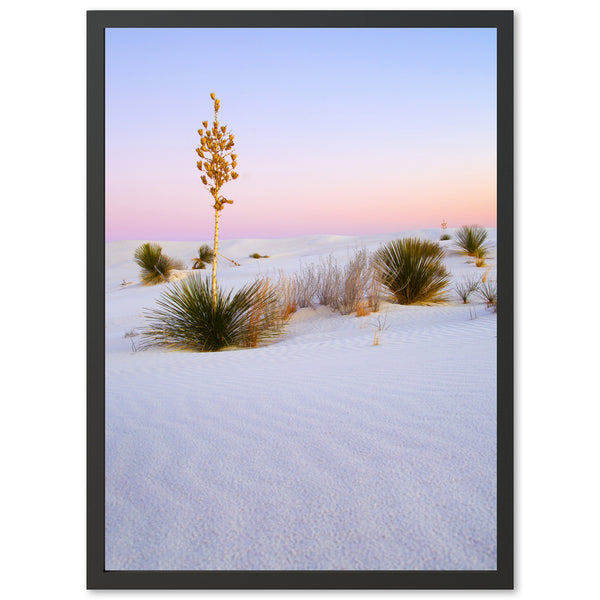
(97, 576)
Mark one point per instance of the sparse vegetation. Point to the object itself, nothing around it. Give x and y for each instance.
(444, 235)
(465, 288)
(359, 290)
(380, 327)
(471, 239)
(488, 292)
(155, 267)
(188, 318)
(257, 255)
(413, 270)
(480, 255)
(205, 255)
(346, 289)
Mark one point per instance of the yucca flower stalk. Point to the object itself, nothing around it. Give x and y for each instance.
(217, 163)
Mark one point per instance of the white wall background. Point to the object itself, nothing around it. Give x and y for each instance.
(42, 145)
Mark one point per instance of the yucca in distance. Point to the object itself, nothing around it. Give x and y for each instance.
(413, 270)
(217, 163)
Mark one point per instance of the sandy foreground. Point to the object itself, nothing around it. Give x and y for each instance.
(320, 451)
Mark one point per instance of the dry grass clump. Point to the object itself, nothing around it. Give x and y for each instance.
(205, 255)
(286, 288)
(465, 288)
(471, 239)
(360, 290)
(353, 287)
(306, 285)
(187, 317)
(155, 267)
(488, 292)
(413, 270)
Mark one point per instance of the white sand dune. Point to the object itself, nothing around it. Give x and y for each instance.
(320, 451)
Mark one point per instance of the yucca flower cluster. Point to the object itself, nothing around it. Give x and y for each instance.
(217, 158)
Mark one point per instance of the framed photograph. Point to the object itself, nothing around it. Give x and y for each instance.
(300, 299)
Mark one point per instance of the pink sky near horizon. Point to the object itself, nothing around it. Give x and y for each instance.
(400, 135)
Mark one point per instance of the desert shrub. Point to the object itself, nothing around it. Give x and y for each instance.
(257, 255)
(307, 285)
(188, 318)
(288, 297)
(155, 267)
(360, 290)
(205, 255)
(488, 292)
(471, 238)
(413, 270)
(480, 255)
(329, 282)
(445, 237)
(465, 288)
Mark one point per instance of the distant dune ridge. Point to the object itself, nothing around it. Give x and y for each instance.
(318, 451)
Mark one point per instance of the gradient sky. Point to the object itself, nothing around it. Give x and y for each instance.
(338, 131)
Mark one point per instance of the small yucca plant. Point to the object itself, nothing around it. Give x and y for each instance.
(471, 239)
(188, 317)
(155, 267)
(488, 292)
(205, 255)
(465, 288)
(413, 270)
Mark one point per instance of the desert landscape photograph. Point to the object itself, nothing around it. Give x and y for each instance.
(301, 284)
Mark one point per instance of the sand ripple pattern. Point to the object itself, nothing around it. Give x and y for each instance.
(259, 459)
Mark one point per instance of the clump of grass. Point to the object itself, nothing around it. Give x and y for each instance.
(413, 270)
(205, 255)
(444, 237)
(380, 327)
(155, 267)
(257, 255)
(346, 289)
(188, 318)
(286, 287)
(306, 285)
(471, 239)
(329, 282)
(480, 255)
(465, 288)
(488, 292)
